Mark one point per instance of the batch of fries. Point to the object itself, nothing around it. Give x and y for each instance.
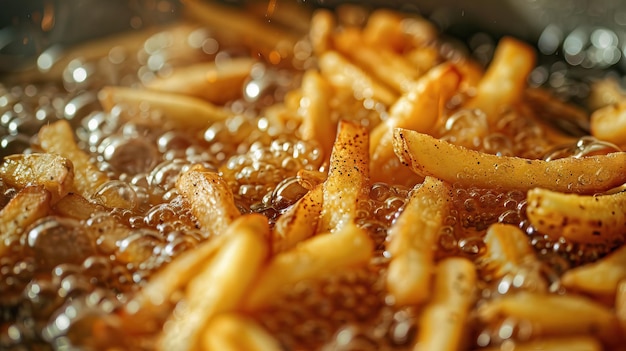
(390, 194)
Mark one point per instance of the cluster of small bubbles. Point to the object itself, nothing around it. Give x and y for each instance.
(364, 110)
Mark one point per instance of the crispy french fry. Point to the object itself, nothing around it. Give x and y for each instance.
(299, 222)
(568, 315)
(220, 285)
(419, 109)
(316, 115)
(505, 79)
(413, 241)
(321, 31)
(509, 252)
(30, 204)
(609, 123)
(54, 172)
(211, 199)
(578, 218)
(348, 177)
(216, 82)
(180, 110)
(319, 255)
(443, 323)
(572, 343)
(75, 206)
(232, 332)
(454, 164)
(598, 278)
(58, 138)
(342, 73)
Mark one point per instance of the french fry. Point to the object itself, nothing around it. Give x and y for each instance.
(287, 14)
(604, 92)
(232, 332)
(180, 110)
(321, 31)
(428, 156)
(572, 343)
(316, 115)
(299, 222)
(598, 278)
(509, 252)
(211, 199)
(54, 172)
(343, 74)
(30, 204)
(620, 304)
(220, 285)
(505, 79)
(419, 109)
(216, 82)
(310, 179)
(609, 123)
(578, 218)
(319, 255)
(424, 58)
(348, 177)
(568, 315)
(443, 323)
(384, 29)
(75, 206)
(58, 138)
(556, 111)
(413, 241)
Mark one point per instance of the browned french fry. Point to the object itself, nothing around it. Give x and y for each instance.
(509, 252)
(599, 278)
(317, 122)
(30, 204)
(419, 109)
(620, 304)
(505, 80)
(54, 172)
(578, 218)
(413, 240)
(58, 138)
(180, 110)
(75, 206)
(216, 82)
(348, 177)
(572, 343)
(299, 222)
(211, 199)
(321, 31)
(568, 315)
(454, 164)
(341, 73)
(443, 324)
(232, 332)
(609, 123)
(220, 285)
(315, 257)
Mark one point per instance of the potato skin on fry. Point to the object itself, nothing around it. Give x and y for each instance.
(455, 164)
(30, 204)
(578, 218)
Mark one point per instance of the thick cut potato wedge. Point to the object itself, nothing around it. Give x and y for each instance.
(299, 222)
(599, 278)
(30, 204)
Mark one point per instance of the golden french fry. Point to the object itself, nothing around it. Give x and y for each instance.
(232, 332)
(315, 257)
(321, 31)
(384, 29)
(58, 138)
(609, 123)
(216, 82)
(578, 218)
(598, 278)
(620, 304)
(505, 79)
(509, 252)
(413, 241)
(299, 222)
(180, 110)
(419, 109)
(310, 179)
(424, 58)
(443, 324)
(317, 122)
(75, 206)
(211, 199)
(343, 74)
(572, 343)
(555, 315)
(287, 14)
(28, 205)
(604, 92)
(220, 285)
(455, 164)
(348, 177)
(54, 172)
